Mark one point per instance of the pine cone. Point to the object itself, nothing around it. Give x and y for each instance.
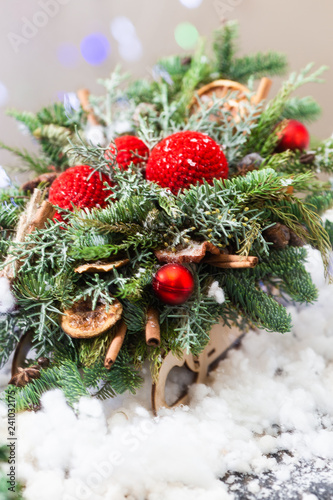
(25, 375)
(250, 162)
(295, 240)
(278, 234)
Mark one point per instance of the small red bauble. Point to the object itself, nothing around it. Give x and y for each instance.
(173, 284)
(185, 158)
(294, 136)
(79, 186)
(130, 149)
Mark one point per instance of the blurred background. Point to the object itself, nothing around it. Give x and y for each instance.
(50, 47)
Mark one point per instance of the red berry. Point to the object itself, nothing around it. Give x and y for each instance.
(173, 284)
(185, 158)
(130, 149)
(80, 186)
(293, 136)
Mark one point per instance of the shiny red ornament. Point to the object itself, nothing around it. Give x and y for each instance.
(173, 284)
(293, 136)
(129, 149)
(185, 158)
(79, 186)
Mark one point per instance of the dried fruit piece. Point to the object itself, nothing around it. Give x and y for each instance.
(82, 322)
(194, 252)
(101, 266)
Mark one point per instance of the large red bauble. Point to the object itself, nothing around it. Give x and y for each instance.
(79, 186)
(185, 158)
(173, 284)
(130, 149)
(294, 136)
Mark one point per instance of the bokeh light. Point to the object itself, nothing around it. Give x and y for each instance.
(95, 48)
(129, 45)
(191, 4)
(186, 35)
(3, 94)
(122, 29)
(131, 50)
(68, 54)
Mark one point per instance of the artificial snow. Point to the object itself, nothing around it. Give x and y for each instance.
(7, 300)
(265, 411)
(216, 292)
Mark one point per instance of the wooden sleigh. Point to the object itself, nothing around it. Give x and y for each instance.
(222, 339)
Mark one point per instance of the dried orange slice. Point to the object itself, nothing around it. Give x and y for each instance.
(220, 89)
(81, 322)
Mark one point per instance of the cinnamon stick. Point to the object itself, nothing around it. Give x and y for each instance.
(115, 346)
(83, 95)
(232, 261)
(234, 265)
(153, 333)
(263, 90)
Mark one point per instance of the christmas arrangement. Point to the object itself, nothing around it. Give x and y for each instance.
(156, 210)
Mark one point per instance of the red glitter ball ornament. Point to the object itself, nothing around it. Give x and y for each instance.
(79, 186)
(173, 284)
(293, 136)
(130, 149)
(185, 158)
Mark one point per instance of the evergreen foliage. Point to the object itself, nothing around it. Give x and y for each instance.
(141, 217)
(241, 69)
(304, 109)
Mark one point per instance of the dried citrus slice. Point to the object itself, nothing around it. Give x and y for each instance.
(82, 322)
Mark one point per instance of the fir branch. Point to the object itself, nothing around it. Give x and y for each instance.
(258, 66)
(285, 270)
(121, 378)
(65, 376)
(258, 141)
(11, 327)
(57, 115)
(92, 350)
(225, 48)
(260, 309)
(29, 160)
(194, 320)
(28, 397)
(304, 109)
(320, 202)
(28, 119)
(195, 75)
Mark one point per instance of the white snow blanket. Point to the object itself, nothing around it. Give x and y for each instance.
(274, 393)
